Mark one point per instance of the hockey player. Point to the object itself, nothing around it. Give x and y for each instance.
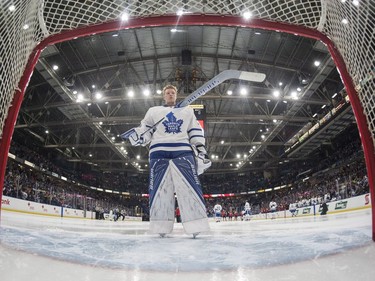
(293, 209)
(273, 209)
(247, 212)
(217, 211)
(174, 134)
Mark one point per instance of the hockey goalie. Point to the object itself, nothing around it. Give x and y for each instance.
(177, 156)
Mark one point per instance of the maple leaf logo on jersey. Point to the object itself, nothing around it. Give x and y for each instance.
(172, 125)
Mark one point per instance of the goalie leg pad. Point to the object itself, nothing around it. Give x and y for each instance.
(162, 201)
(189, 195)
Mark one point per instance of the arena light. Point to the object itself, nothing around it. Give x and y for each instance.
(146, 92)
(124, 16)
(243, 92)
(98, 95)
(12, 8)
(247, 15)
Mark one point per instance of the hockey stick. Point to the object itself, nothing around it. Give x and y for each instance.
(220, 78)
(130, 132)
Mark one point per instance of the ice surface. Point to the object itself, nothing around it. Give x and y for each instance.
(334, 247)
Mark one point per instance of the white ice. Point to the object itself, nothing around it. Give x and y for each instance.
(334, 247)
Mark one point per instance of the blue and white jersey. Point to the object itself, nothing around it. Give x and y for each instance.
(247, 206)
(217, 209)
(273, 206)
(178, 130)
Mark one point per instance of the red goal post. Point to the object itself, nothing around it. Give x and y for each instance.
(346, 27)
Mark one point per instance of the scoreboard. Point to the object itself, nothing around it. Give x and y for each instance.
(200, 113)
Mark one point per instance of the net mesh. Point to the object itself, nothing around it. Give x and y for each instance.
(349, 24)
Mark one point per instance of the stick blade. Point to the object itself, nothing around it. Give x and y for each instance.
(252, 76)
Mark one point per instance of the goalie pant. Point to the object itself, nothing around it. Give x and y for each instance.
(170, 176)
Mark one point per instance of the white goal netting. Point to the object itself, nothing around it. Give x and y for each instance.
(349, 24)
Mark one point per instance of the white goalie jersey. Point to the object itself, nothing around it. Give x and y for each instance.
(176, 130)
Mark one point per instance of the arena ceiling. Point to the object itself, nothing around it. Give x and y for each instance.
(249, 129)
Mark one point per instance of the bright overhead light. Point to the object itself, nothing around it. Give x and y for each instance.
(158, 92)
(222, 142)
(276, 93)
(294, 95)
(98, 95)
(258, 33)
(247, 15)
(79, 97)
(268, 100)
(238, 156)
(47, 132)
(334, 95)
(130, 94)
(316, 63)
(299, 89)
(274, 120)
(115, 35)
(101, 123)
(55, 67)
(316, 114)
(138, 157)
(93, 86)
(229, 92)
(344, 21)
(124, 16)
(174, 30)
(243, 92)
(323, 106)
(355, 2)
(263, 137)
(146, 92)
(75, 92)
(12, 8)
(26, 26)
(280, 83)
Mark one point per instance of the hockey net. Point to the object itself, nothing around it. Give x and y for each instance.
(349, 24)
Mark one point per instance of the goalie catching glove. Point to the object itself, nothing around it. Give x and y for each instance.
(135, 137)
(201, 158)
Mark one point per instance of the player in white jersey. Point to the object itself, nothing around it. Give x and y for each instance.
(217, 211)
(293, 209)
(247, 212)
(173, 134)
(273, 209)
